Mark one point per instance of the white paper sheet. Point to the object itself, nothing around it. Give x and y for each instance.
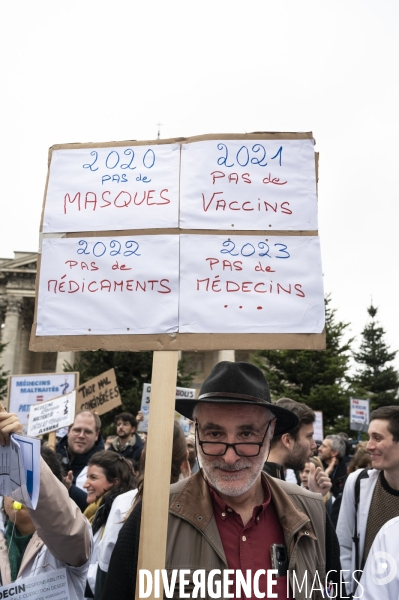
(99, 189)
(52, 585)
(249, 284)
(52, 415)
(248, 184)
(99, 285)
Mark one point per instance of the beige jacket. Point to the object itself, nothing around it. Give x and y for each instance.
(62, 538)
(194, 543)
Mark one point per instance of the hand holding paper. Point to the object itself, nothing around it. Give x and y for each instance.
(9, 423)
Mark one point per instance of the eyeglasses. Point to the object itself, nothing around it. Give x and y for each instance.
(248, 449)
(81, 431)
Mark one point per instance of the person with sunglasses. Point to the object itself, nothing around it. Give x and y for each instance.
(230, 514)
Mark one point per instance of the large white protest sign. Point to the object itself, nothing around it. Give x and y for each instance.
(98, 288)
(248, 184)
(25, 390)
(145, 408)
(120, 187)
(99, 285)
(46, 586)
(52, 415)
(359, 414)
(248, 284)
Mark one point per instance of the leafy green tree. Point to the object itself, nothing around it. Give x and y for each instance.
(3, 377)
(318, 378)
(132, 370)
(376, 378)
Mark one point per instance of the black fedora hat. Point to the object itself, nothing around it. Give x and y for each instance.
(238, 383)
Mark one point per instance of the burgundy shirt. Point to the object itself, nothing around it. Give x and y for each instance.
(249, 546)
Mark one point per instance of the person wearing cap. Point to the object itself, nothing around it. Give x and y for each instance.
(230, 514)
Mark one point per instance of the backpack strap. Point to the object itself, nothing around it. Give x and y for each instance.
(364, 473)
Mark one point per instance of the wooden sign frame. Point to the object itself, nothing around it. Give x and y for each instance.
(178, 341)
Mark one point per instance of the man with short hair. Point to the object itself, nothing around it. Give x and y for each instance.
(293, 449)
(376, 491)
(128, 443)
(231, 515)
(76, 448)
(332, 454)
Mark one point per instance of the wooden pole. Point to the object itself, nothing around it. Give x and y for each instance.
(52, 440)
(154, 520)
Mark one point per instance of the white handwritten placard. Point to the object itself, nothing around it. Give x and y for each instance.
(99, 285)
(359, 414)
(145, 408)
(248, 184)
(250, 284)
(99, 189)
(52, 415)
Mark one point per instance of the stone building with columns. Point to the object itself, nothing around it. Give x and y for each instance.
(17, 300)
(17, 303)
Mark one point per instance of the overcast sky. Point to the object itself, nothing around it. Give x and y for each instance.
(102, 71)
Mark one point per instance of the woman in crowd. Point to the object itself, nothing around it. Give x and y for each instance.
(123, 506)
(53, 536)
(361, 459)
(108, 475)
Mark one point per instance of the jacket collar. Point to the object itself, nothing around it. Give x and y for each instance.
(35, 543)
(193, 503)
(116, 445)
(32, 549)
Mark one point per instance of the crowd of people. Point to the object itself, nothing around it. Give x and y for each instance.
(251, 489)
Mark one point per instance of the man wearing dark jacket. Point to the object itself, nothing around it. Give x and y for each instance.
(128, 443)
(76, 448)
(231, 516)
(293, 449)
(332, 454)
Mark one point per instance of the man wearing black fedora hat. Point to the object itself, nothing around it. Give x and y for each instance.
(231, 516)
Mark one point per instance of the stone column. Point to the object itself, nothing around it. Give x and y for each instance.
(215, 356)
(64, 357)
(24, 360)
(11, 334)
(227, 355)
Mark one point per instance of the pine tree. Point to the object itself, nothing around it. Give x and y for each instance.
(132, 370)
(376, 378)
(318, 378)
(3, 376)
